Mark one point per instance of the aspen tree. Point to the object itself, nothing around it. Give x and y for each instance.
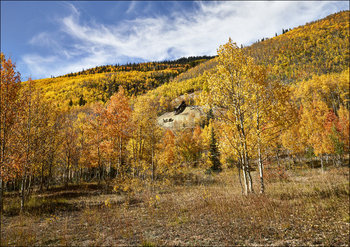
(9, 105)
(251, 107)
(146, 134)
(230, 90)
(96, 136)
(118, 126)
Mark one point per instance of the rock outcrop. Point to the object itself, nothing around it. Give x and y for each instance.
(183, 117)
(179, 109)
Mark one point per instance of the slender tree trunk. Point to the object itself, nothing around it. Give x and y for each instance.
(109, 169)
(250, 181)
(134, 153)
(245, 179)
(29, 188)
(261, 172)
(1, 195)
(99, 174)
(249, 177)
(246, 172)
(99, 164)
(322, 167)
(117, 170)
(294, 160)
(245, 158)
(74, 175)
(246, 166)
(333, 160)
(49, 176)
(340, 160)
(42, 178)
(24, 181)
(260, 163)
(67, 173)
(153, 168)
(239, 168)
(71, 176)
(277, 158)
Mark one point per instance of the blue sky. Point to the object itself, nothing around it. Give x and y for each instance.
(47, 38)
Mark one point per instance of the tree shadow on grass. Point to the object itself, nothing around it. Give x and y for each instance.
(41, 206)
(88, 187)
(54, 200)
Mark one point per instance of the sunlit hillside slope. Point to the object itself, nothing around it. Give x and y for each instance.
(100, 83)
(317, 48)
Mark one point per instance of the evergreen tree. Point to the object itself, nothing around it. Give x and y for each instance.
(210, 115)
(206, 121)
(214, 153)
(82, 101)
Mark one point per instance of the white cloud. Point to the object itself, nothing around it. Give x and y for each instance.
(35, 63)
(184, 33)
(131, 7)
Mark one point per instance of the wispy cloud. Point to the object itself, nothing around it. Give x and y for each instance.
(184, 33)
(131, 7)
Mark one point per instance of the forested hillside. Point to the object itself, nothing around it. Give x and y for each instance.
(319, 47)
(100, 83)
(316, 48)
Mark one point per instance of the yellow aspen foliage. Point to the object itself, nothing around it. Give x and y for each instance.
(146, 134)
(118, 127)
(312, 129)
(9, 105)
(167, 154)
(344, 126)
(252, 108)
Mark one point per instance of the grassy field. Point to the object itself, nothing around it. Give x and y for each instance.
(305, 207)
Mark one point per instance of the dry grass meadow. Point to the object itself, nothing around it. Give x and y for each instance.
(303, 207)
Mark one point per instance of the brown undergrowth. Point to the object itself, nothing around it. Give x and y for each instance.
(309, 208)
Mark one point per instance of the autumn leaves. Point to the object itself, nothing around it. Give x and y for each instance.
(251, 109)
(258, 115)
(117, 138)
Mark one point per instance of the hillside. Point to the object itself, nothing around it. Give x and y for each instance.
(101, 86)
(316, 48)
(100, 83)
(319, 47)
(180, 64)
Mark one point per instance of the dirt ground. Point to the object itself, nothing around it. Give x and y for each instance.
(305, 208)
